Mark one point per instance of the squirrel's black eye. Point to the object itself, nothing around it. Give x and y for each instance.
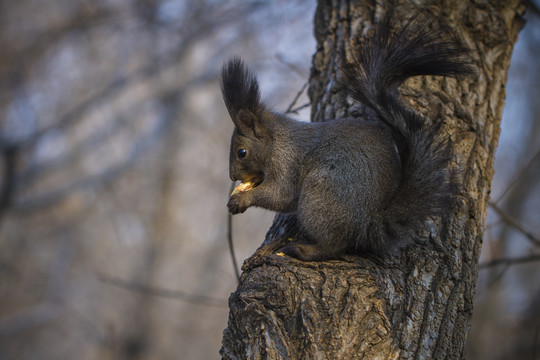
(242, 153)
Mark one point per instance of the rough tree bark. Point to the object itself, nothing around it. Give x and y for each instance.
(419, 305)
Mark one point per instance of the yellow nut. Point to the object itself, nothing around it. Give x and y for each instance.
(245, 186)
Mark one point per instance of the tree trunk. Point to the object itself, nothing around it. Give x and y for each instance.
(418, 305)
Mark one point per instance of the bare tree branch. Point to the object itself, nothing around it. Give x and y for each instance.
(8, 183)
(499, 276)
(20, 55)
(103, 177)
(510, 261)
(293, 67)
(230, 239)
(517, 177)
(164, 293)
(533, 7)
(293, 103)
(511, 221)
(193, 34)
(297, 109)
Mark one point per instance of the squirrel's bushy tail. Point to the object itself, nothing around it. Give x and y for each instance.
(388, 58)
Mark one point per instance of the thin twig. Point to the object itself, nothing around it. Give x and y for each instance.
(510, 261)
(9, 154)
(536, 342)
(518, 177)
(297, 109)
(304, 87)
(230, 239)
(533, 8)
(495, 223)
(164, 293)
(290, 108)
(498, 277)
(513, 222)
(292, 67)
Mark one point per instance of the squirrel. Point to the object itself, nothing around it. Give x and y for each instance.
(355, 186)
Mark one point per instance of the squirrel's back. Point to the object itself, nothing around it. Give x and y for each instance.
(393, 193)
(389, 57)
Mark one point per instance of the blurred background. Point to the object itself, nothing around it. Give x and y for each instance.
(114, 177)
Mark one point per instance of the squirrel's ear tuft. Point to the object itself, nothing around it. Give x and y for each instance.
(240, 88)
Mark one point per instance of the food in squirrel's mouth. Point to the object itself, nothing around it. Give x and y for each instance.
(244, 186)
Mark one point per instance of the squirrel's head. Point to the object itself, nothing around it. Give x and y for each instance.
(252, 137)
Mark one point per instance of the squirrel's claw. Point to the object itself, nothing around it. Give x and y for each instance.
(236, 205)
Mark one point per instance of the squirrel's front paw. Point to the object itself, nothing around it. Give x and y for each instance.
(292, 249)
(236, 205)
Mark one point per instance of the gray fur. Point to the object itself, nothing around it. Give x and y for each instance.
(354, 186)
